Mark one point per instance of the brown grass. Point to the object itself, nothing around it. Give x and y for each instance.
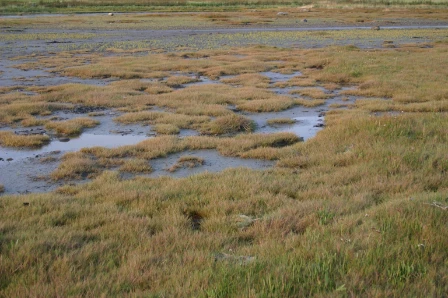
(252, 80)
(29, 122)
(280, 121)
(177, 81)
(166, 129)
(136, 165)
(314, 93)
(71, 127)
(228, 125)
(274, 104)
(186, 161)
(9, 139)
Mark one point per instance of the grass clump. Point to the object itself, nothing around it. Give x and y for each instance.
(275, 104)
(250, 79)
(314, 93)
(71, 127)
(9, 139)
(177, 81)
(186, 162)
(30, 122)
(2, 189)
(166, 129)
(143, 116)
(136, 165)
(75, 166)
(280, 121)
(228, 125)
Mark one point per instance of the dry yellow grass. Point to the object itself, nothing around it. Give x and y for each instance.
(177, 81)
(71, 127)
(228, 125)
(166, 129)
(252, 80)
(29, 122)
(298, 81)
(314, 93)
(158, 88)
(186, 161)
(9, 139)
(136, 165)
(281, 121)
(274, 104)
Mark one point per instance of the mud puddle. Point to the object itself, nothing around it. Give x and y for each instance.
(276, 77)
(75, 144)
(213, 162)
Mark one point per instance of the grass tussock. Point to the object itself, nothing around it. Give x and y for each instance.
(75, 166)
(280, 121)
(166, 129)
(158, 88)
(274, 104)
(30, 122)
(9, 139)
(314, 93)
(71, 127)
(186, 161)
(2, 188)
(252, 80)
(228, 125)
(136, 165)
(177, 81)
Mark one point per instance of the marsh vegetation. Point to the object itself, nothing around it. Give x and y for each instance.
(357, 210)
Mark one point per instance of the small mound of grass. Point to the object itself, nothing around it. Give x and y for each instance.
(136, 165)
(275, 104)
(2, 188)
(228, 124)
(280, 121)
(177, 81)
(30, 122)
(71, 127)
(138, 117)
(315, 93)
(186, 162)
(166, 129)
(74, 166)
(9, 139)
